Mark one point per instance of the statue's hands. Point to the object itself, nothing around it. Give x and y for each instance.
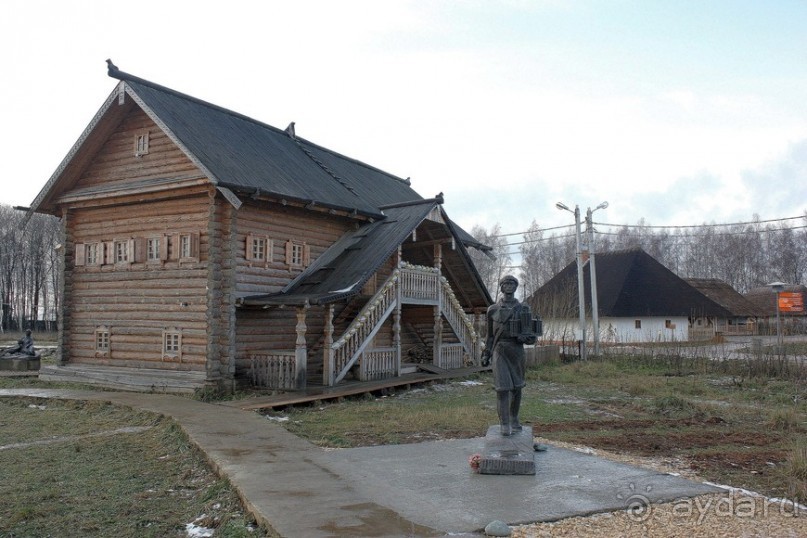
(529, 340)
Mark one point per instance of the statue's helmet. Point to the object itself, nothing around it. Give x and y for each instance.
(508, 278)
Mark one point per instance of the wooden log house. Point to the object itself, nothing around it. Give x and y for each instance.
(202, 248)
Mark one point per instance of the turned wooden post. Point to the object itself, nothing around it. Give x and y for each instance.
(438, 320)
(396, 329)
(300, 351)
(327, 353)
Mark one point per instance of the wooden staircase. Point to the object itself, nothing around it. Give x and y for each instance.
(407, 285)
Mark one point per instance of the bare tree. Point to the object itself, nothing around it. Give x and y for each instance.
(491, 266)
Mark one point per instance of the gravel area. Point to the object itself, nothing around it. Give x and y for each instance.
(736, 513)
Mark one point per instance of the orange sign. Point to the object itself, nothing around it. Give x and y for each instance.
(791, 301)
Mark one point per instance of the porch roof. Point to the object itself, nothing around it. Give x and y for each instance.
(345, 267)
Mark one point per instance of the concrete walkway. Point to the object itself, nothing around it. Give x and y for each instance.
(423, 489)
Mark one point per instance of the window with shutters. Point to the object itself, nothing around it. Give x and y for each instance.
(298, 254)
(186, 247)
(258, 248)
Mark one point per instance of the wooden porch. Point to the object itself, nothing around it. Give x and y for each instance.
(446, 330)
(314, 394)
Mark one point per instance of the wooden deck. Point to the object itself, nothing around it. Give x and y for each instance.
(350, 388)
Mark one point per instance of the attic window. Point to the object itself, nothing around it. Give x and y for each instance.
(141, 143)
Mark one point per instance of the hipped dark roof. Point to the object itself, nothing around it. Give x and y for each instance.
(630, 283)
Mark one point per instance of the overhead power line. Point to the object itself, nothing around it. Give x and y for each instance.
(741, 232)
(659, 226)
(538, 230)
(699, 225)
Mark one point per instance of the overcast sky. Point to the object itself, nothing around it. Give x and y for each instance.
(678, 112)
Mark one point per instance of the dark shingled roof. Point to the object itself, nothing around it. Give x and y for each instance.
(726, 296)
(244, 154)
(630, 283)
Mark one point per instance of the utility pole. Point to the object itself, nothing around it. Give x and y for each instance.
(581, 299)
(595, 310)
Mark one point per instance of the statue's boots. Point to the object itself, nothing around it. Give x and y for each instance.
(503, 408)
(515, 405)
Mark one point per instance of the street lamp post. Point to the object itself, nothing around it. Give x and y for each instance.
(595, 313)
(580, 286)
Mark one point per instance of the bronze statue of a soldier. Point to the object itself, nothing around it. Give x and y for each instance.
(510, 326)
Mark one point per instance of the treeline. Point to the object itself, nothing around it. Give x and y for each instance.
(745, 255)
(29, 271)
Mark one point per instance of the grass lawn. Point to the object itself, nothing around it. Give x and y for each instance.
(732, 422)
(73, 468)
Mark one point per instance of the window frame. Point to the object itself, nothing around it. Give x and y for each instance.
(141, 143)
(103, 341)
(185, 247)
(172, 344)
(93, 254)
(298, 254)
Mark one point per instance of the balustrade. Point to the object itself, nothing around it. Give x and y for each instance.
(274, 370)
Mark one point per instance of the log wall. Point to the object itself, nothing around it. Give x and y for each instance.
(273, 329)
(117, 163)
(137, 301)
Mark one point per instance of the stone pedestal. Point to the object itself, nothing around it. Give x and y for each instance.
(20, 363)
(513, 454)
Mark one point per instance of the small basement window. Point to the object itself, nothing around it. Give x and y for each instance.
(172, 344)
(102, 340)
(141, 143)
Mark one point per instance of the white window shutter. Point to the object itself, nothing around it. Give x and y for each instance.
(81, 254)
(248, 254)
